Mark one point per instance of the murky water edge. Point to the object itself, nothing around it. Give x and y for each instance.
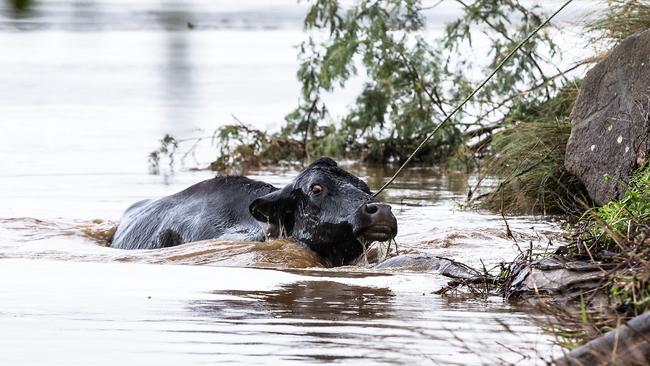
(89, 87)
(67, 299)
(96, 313)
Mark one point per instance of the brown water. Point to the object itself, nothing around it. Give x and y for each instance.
(66, 299)
(87, 89)
(426, 202)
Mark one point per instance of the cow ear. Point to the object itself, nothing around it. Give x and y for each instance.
(272, 207)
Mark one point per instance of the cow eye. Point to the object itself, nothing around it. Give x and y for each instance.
(316, 189)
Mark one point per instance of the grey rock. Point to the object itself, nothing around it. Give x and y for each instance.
(629, 344)
(423, 262)
(610, 123)
(565, 282)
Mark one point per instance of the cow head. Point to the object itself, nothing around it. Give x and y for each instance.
(329, 210)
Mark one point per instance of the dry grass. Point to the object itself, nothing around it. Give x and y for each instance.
(529, 160)
(620, 19)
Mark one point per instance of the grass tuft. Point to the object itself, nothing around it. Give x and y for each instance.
(529, 159)
(620, 19)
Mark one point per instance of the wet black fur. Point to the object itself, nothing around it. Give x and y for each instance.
(239, 208)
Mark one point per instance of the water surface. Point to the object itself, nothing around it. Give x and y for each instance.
(88, 88)
(64, 313)
(66, 299)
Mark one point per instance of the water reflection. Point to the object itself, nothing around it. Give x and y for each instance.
(319, 300)
(414, 177)
(176, 71)
(369, 321)
(424, 184)
(19, 8)
(84, 13)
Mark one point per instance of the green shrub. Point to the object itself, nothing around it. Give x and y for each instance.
(528, 158)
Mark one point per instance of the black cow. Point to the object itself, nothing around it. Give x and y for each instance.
(325, 208)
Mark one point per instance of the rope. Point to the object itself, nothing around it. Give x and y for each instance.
(467, 99)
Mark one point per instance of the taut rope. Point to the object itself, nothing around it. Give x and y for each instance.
(461, 105)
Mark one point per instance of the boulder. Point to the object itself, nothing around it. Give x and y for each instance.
(609, 122)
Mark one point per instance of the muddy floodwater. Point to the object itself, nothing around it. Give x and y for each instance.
(66, 299)
(88, 88)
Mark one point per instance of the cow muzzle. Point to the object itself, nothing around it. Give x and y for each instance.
(375, 222)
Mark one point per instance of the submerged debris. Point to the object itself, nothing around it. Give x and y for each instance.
(423, 262)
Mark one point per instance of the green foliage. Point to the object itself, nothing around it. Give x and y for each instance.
(615, 238)
(624, 216)
(243, 147)
(409, 82)
(631, 293)
(529, 152)
(168, 147)
(20, 7)
(229, 136)
(622, 227)
(569, 339)
(494, 18)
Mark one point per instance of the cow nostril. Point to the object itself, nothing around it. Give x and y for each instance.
(371, 209)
